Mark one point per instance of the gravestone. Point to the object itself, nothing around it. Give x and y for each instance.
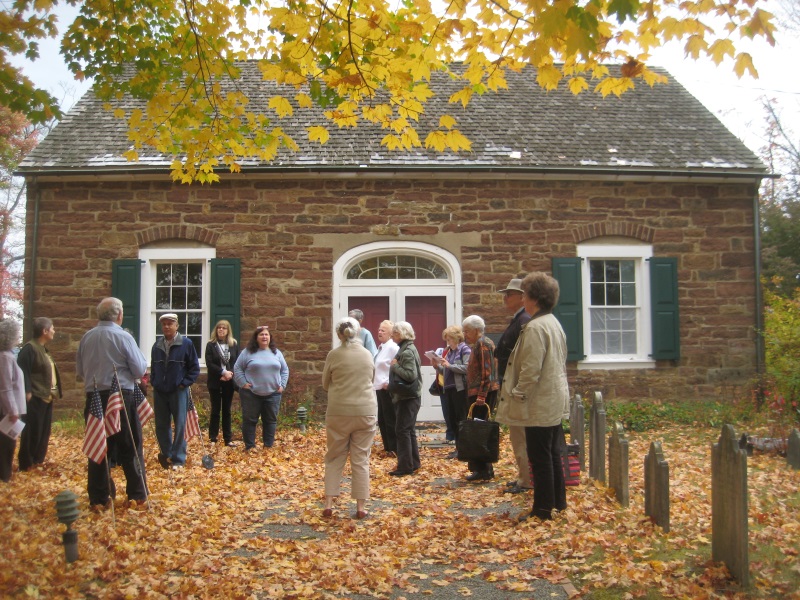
(618, 464)
(729, 505)
(793, 449)
(656, 487)
(597, 439)
(577, 428)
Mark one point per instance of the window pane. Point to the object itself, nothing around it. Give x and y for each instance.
(388, 273)
(629, 342)
(599, 342)
(612, 270)
(195, 275)
(163, 301)
(407, 261)
(598, 294)
(596, 271)
(393, 266)
(439, 272)
(613, 294)
(178, 298)
(194, 324)
(163, 274)
(354, 272)
(179, 274)
(407, 272)
(627, 271)
(194, 298)
(629, 294)
(387, 261)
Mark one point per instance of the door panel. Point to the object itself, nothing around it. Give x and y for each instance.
(375, 309)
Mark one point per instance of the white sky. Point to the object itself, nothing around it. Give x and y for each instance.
(736, 102)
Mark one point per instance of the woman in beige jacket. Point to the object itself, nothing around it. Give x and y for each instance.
(351, 417)
(535, 394)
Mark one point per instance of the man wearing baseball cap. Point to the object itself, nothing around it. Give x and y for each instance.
(174, 367)
(513, 301)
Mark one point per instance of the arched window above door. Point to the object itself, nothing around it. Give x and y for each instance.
(397, 266)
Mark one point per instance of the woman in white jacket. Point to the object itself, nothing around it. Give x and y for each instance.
(535, 394)
(12, 392)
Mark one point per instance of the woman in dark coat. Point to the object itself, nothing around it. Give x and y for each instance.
(221, 354)
(406, 367)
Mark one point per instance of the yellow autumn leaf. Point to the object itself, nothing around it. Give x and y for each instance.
(578, 85)
(446, 121)
(317, 133)
(743, 64)
(304, 100)
(436, 140)
(463, 95)
(720, 49)
(281, 106)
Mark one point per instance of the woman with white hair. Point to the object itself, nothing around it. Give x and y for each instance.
(405, 387)
(482, 384)
(12, 392)
(351, 416)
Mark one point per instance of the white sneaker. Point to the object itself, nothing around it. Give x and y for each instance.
(177, 467)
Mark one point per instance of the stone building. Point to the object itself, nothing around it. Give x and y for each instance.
(644, 207)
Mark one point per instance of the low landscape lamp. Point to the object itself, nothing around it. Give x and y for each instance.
(67, 511)
(302, 417)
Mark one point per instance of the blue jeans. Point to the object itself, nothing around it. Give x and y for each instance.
(169, 407)
(253, 407)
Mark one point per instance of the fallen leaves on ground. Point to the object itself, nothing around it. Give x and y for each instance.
(207, 533)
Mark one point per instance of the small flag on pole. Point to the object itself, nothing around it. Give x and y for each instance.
(192, 420)
(94, 442)
(115, 404)
(143, 407)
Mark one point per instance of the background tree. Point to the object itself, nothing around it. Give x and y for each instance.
(17, 137)
(360, 61)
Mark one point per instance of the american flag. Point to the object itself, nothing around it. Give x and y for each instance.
(192, 420)
(142, 405)
(115, 404)
(94, 442)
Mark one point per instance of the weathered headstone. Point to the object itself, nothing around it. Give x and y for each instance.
(618, 474)
(729, 505)
(656, 487)
(793, 449)
(597, 439)
(577, 428)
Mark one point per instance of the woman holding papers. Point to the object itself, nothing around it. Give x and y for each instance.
(12, 395)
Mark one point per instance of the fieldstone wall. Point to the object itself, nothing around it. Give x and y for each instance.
(288, 233)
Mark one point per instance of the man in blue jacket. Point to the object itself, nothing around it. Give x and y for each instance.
(174, 367)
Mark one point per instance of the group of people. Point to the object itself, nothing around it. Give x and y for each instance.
(522, 382)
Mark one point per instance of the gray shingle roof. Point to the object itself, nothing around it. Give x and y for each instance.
(662, 130)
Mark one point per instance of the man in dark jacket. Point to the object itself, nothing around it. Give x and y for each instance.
(512, 299)
(174, 367)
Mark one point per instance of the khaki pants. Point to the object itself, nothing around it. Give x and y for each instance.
(353, 436)
(520, 448)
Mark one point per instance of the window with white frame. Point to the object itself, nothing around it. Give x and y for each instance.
(615, 284)
(176, 280)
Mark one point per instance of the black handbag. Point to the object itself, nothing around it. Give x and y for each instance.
(404, 389)
(478, 440)
(436, 389)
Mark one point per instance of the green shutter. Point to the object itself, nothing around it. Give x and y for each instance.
(225, 293)
(569, 310)
(126, 284)
(664, 307)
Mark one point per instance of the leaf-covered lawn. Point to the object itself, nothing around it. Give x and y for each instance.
(252, 527)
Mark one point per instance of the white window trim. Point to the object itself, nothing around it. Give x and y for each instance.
(147, 312)
(619, 251)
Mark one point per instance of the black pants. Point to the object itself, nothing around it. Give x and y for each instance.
(386, 420)
(491, 401)
(221, 400)
(456, 405)
(545, 448)
(7, 447)
(36, 436)
(124, 448)
(405, 412)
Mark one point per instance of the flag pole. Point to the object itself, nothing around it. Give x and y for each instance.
(108, 473)
(139, 465)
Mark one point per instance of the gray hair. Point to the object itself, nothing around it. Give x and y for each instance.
(404, 329)
(347, 331)
(109, 309)
(474, 322)
(356, 314)
(40, 325)
(9, 334)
